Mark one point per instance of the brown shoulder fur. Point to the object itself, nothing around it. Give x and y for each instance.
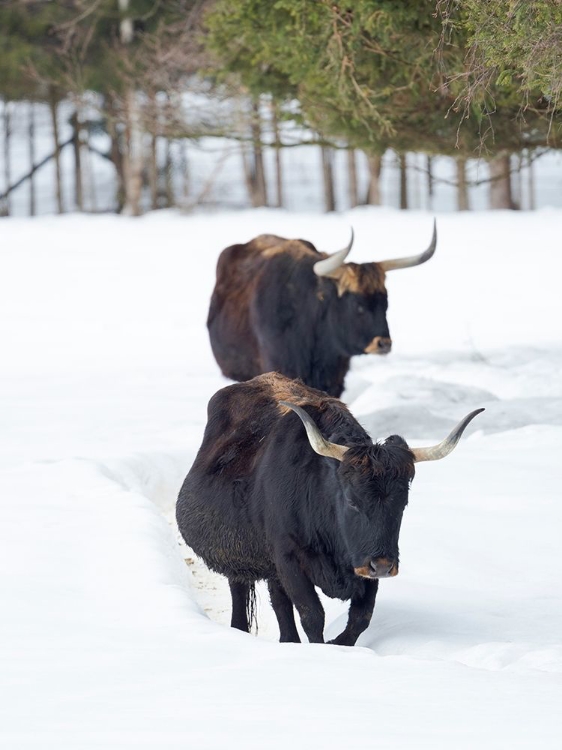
(281, 388)
(269, 245)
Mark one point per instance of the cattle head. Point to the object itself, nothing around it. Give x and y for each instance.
(375, 481)
(359, 318)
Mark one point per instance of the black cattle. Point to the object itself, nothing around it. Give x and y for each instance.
(268, 500)
(281, 305)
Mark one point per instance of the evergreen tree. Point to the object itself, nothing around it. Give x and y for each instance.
(367, 72)
(512, 45)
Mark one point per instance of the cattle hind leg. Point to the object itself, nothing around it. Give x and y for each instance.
(243, 605)
(283, 608)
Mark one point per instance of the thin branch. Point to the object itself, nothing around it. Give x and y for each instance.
(34, 169)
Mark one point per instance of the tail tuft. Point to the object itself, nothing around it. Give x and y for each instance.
(252, 608)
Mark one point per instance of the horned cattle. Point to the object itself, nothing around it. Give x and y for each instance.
(281, 305)
(287, 487)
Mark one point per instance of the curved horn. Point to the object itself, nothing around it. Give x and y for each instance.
(329, 265)
(318, 443)
(413, 260)
(435, 452)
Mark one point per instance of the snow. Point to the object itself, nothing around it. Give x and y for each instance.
(109, 640)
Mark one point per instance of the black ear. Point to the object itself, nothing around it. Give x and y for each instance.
(396, 440)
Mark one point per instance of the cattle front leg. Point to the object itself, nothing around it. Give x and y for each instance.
(360, 613)
(283, 608)
(300, 590)
(240, 593)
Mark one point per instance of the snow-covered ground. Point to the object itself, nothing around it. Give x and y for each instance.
(109, 640)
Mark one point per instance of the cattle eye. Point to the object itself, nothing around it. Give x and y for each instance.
(360, 310)
(353, 506)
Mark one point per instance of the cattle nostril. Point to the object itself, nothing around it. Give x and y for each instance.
(379, 345)
(382, 567)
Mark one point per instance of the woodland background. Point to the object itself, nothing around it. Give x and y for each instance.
(132, 105)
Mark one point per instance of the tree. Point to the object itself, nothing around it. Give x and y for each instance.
(367, 72)
(510, 45)
(26, 48)
(118, 49)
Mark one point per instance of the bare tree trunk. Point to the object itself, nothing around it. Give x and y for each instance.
(403, 181)
(248, 174)
(517, 182)
(462, 187)
(259, 172)
(168, 176)
(429, 168)
(90, 177)
(185, 173)
(78, 192)
(374, 190)
(31, 143)
(252, 161)
(416, 192)
(278, 162)
(116, 154)
(132, 155)
(531, 181)
(152, 126)
(352, 178)
(328, 178)
(53, 106)
(153, 172)
(500, 185)
(5, 209)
